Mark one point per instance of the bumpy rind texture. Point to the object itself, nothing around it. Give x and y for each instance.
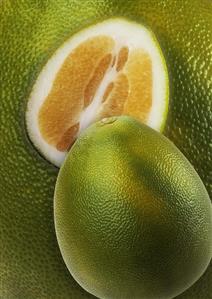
(31, 31)
(132, 217)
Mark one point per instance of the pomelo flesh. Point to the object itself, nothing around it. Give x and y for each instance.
(112, 68)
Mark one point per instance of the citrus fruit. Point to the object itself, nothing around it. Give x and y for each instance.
(132, 217)
(112, 68)
(31, 33)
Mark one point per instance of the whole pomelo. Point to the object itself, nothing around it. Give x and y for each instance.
(31, 32)
(132, 217)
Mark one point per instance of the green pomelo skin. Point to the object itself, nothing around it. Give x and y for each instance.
(132, 217)
(31, 266)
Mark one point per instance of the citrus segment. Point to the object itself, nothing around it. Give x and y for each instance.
(122, 58)
(139, 69)
(96, 79)
(112, 68)
(114, 105)
(68, 138)
(61, 109)
(108, 91)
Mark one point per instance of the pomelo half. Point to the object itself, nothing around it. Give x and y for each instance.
(114, 67)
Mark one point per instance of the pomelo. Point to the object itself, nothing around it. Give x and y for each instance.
(114, 67)
(31, 33)
(132, 217)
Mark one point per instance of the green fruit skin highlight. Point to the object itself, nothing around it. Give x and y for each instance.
(30, 262)
(132, 217)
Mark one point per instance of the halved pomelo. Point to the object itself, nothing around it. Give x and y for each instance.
(111, 68)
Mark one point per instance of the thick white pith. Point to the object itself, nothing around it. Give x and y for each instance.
(125, 34)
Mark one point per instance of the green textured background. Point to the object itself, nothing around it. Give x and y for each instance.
(31, 266)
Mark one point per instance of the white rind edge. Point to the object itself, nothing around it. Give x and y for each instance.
(125, 33)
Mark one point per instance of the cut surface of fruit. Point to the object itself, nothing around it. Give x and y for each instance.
(112, 68)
